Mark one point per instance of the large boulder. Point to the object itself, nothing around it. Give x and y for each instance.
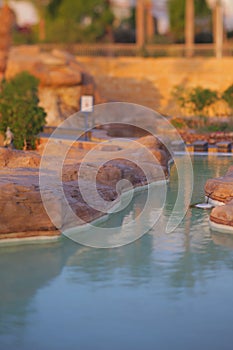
(223, 214)
(22, 213)
(62, 79)
(21, 210)
(50, 68)
(221, 190)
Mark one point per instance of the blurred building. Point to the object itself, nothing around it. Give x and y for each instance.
(121, 8)
(25, 12)
(227, 6)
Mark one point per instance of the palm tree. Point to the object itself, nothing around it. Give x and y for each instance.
(217, 16)
(41, 5)
(218, 28)
(189, 27)
(140, 23)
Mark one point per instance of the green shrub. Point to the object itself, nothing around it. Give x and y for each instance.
(180, 94)
(70, 21)
(199, 99)
(178, 123)
(20, 111)
(196, 99)
(228, 96)
(217, 126)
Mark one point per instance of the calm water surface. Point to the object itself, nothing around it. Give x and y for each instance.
(165, 291)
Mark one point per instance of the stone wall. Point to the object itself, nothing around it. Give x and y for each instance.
(149, 81)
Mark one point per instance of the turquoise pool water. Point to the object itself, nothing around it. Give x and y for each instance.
(165, 291)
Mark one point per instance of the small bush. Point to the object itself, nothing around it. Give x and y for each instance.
(216, 127)
(178, 123)
(20, 111)
(195, 100)
(200, 98)
(228, 96)
(179, 93)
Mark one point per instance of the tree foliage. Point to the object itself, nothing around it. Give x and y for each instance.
(19, 109)
(78, 20)
(228, 96)
(176, 10)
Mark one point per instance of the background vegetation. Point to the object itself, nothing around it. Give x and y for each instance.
(198, 102)
(176, 9)
(87, 21)
(78, 21)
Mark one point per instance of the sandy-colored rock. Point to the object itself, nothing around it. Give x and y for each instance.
(17, 159)
(62, 79)
(223, 214)
(115, 170)
(22, 212)
(1, 140)
(2, 67)
(44, 66)
(221, 189)
(109, 174)
(21, 207)
(158, 150)
(150, 142)
(7, 20)
(70, 172)
(59, 102)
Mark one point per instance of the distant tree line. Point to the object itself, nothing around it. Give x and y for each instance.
(86, 21)
(176, 9)
(78, 20)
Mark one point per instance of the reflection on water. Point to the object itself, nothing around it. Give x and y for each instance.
(165, 291)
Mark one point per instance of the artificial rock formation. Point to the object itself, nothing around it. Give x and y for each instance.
(62, 79)
(223, 215)
(7, 20)
(221, 190)
(22, 213)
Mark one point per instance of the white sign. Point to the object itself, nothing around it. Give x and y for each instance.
(87, 103)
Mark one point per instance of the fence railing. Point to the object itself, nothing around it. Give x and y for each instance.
(149, 50)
